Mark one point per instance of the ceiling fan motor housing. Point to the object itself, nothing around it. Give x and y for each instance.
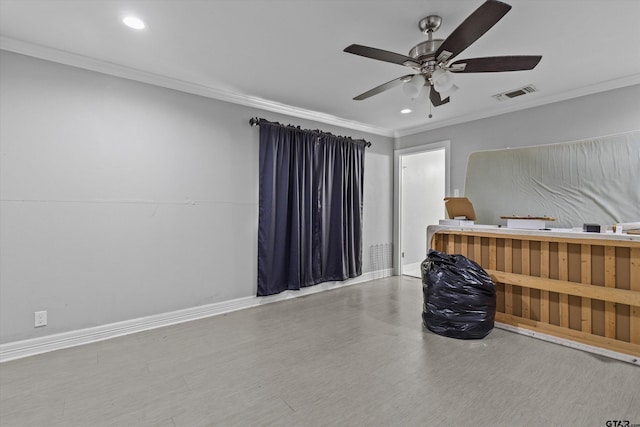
(426, 50)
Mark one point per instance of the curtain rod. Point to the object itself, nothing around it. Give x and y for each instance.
(255, 121)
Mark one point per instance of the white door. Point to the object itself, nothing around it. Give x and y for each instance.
(422, 187)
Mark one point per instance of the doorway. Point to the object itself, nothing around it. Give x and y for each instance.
(422, 183)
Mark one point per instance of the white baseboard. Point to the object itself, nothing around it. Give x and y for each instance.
(31, 347)
(569, 343)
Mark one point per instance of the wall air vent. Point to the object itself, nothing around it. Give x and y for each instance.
(515, 93)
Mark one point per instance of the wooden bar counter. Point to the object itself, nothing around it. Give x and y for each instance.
(581, 287)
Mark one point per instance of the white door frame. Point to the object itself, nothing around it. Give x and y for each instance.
(397, 192)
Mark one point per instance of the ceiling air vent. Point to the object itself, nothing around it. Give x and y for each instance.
(515, 93)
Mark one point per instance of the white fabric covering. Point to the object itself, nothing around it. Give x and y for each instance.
(590, 181)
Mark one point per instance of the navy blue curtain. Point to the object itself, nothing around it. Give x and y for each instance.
(310, 208)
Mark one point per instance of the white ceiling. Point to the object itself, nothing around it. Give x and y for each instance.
(286, 55)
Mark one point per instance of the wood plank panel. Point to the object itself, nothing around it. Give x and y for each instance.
(609, 282)
(477, 250)
(548, 237)
(526, 270)
(585, 278)
(635, 286)
(451, 245)
(563, 274)
(613, 295)
(464, 246)
(563, 286)
(436, 241)
(508, 267)
(544, 273)
(493, 253)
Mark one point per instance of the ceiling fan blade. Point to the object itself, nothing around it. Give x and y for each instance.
(494, 64)
(383, 87)
(435, 98)
(472, 28)
(381, 55)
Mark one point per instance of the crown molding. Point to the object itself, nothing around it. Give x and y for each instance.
(105, 67)
(109, 68)
(575, 93)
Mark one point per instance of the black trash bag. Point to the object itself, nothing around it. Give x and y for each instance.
(459, 297)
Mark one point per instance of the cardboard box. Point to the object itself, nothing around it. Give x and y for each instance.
(459, 207)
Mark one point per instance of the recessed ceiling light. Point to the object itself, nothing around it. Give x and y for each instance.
(133, 22)
(406, 111)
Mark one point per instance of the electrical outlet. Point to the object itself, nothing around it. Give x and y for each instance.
(456, 192)
(40, 319)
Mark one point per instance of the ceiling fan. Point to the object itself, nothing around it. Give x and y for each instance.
(431, 59)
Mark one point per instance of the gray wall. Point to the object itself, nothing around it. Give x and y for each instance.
(600, 114)
(121, 199)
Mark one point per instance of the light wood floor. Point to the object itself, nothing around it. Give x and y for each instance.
(356, 356)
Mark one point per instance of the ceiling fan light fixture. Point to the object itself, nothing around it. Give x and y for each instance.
(422, 97)
(445, 93)
(413, 87)
(442, 80)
